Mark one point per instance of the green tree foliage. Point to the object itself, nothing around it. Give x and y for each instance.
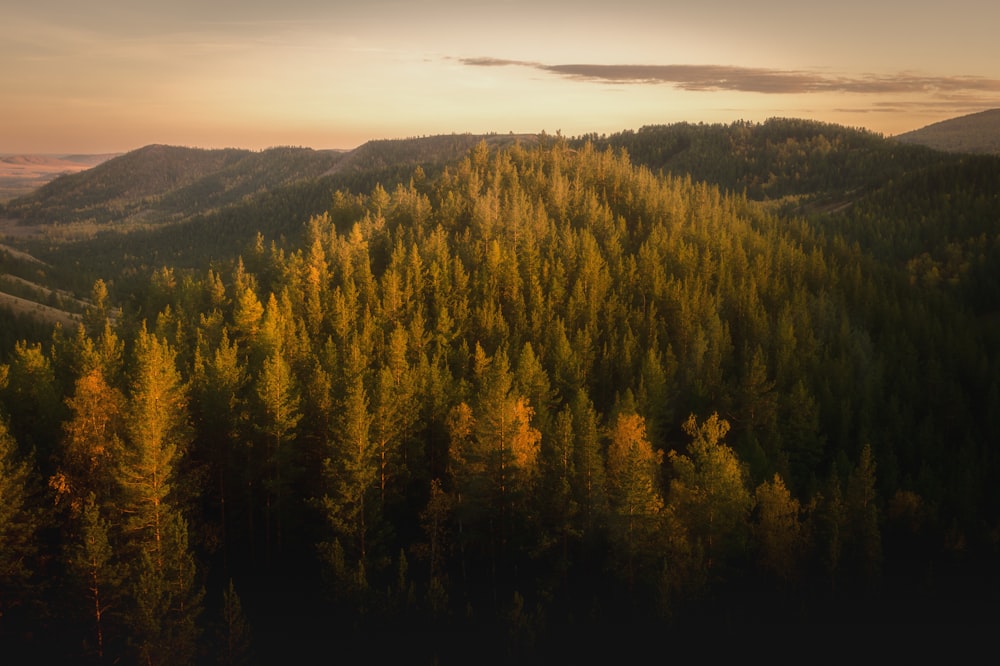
(495, 451)
(19, 524)
(99, 576)
(634, 488)
(92, 444)
(279, 415)
(456, 382)
(32, 398)
(779, 533)
(351, 475)
(709, 490)
(589, 478)
(163, 582)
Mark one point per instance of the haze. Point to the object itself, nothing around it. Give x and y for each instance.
(112, 76)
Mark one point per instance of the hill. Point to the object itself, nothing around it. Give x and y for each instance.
(781, 159)
(385, 153)
(21, 174)
(159, 183)
(187, 207)
(541, 393)
(974, 133)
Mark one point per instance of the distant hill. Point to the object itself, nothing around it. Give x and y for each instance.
(974, 133)
(21, 174)
(383, 153)
(161, 183)
(780, 159)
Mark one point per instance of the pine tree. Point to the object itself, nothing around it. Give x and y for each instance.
(19, 524)
(394, 417)
(32, 398)
(709, 490)
(98, 575)
(634, 489)
(779, 533)
(167, 599)
(278, 401)
(505, 440)
(92, 442)
(220, 410)
(589, 478)
(864, 517)
(163, 582)
(351, 474)
(233, 641)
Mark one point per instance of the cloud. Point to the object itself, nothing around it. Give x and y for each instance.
(751, 79)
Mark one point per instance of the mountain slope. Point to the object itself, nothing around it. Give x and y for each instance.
(780, 158)
(162, 183)
(159, 183)
(974, 133)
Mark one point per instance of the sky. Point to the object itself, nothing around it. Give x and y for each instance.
(115, 75)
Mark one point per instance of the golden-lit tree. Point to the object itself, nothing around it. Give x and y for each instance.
(709, 490)
(779, 533)
(350, 473)
(92, 442)
(634, 489)
(278, 416)
(163, 582)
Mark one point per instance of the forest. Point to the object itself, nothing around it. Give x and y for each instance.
(557, 398)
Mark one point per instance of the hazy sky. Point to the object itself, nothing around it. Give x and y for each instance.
(115, 75)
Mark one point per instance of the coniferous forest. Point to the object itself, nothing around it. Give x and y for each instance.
(550, 399)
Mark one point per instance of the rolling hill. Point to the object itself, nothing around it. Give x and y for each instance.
(191, 207)
(162, 183)
(21, 174)
(974, 133)
(683, 379)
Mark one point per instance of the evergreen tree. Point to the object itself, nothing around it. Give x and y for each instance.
(233, 640)
(163, 583)
(279, 415)
(589, 478)
(505, 441)
(634, 490)
(350, 474)
(92, 442)
(98, 577)
(19, 526)
(221, 415)
(32, 399)
(779, 533)
(863, 516)
(709, 490)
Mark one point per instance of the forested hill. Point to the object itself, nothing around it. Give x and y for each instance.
(974, 133)
(160, 183)
(780, 158)
(547, 399)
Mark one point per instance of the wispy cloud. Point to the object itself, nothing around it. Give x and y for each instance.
(752, 79)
